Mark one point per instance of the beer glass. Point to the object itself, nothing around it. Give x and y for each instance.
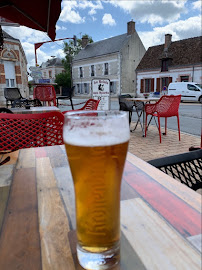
(96, 144)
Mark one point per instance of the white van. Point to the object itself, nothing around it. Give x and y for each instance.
(189, 91)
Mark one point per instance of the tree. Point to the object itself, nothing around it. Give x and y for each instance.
(70, 50)
(63, 79)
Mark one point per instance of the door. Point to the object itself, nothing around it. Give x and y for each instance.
(9, 68)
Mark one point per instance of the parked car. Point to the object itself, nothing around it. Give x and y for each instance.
(189, 91)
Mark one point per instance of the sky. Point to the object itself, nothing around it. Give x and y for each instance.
(104, 19)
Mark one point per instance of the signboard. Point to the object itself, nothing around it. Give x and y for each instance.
(44, 80)
(101, 91)
(35, 73)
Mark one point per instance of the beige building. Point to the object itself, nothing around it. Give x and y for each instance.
(13, 67)
(114, 58)
(51, 68)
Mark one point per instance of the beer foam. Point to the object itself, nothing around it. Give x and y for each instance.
(104, 132)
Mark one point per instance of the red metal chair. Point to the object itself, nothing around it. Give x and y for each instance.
(19, 131)
(45, 93)
(167, 106)
(91, 105)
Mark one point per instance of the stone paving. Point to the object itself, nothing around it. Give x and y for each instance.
(149, 147)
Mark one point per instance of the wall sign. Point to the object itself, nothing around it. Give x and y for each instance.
(101, 91)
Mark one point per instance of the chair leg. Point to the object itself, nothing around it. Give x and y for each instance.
(165, 125)
(178, 123)
(146, 125)
(159, 127)
(130, 117)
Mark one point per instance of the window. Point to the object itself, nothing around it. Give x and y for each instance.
(81, 72)
(50, 73)
(147, 85)
(192, 87)
(86, 88)
(92, 71)
(77, 89)
(7, 82)
(9, 68)
(164, 65)
(106, 69)
(44, 74)
(12, 82)
(113, 87)
(184, 78)
(164, 82)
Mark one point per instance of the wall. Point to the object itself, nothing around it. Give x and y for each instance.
(131, 55)
(113, 61)
(14, 53)
(175, 73)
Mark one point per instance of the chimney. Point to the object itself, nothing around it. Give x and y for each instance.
(168, 38)
(84, 41)
(130, 27)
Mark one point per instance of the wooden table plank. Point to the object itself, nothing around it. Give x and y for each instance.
(53, 222)
(19, 239)
(157, 245)
(4, 192)
(184, 218)
(182, 191)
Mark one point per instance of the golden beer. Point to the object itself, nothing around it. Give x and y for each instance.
(97, 173)
(96, 144)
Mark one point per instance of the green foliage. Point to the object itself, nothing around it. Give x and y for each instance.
(63, 79)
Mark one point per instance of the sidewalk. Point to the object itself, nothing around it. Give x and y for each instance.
(150, 148)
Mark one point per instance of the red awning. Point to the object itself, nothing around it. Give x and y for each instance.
(37, 14)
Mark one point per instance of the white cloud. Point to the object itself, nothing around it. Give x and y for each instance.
(60, 28)
(153, 11)
(197, 5)
(107, 19)
(179, 30)
(70, 10)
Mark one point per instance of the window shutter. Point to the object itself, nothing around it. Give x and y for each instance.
(170, 79)
(158, 85)
(142, 86)
(152, 85)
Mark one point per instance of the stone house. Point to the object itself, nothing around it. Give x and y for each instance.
(13, 67)
(51, 68)
(114, 58)
(178, 61)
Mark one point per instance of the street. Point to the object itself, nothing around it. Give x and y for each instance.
(190, 116)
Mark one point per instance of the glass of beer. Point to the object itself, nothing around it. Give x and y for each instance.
(96, 144)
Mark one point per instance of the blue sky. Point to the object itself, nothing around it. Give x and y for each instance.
(104, 19)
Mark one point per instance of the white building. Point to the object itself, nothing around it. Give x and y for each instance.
(114, 58)
(170, 62)
(51, 68)
(13, 67)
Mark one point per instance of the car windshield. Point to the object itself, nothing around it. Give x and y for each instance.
(199, 85)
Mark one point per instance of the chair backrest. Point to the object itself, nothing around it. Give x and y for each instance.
(168, 106)
(125, 105)
(68, 91)
(91, 104)
(19, 131)
(186, 167)
(45, 93)
(5, 110)
(12, 94)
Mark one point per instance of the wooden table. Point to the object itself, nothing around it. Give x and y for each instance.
(40, 109)
(160, 217)
(145, 101)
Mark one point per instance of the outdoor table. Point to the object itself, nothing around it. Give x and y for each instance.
(160, 217)
(144, 100)
(40, 109)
